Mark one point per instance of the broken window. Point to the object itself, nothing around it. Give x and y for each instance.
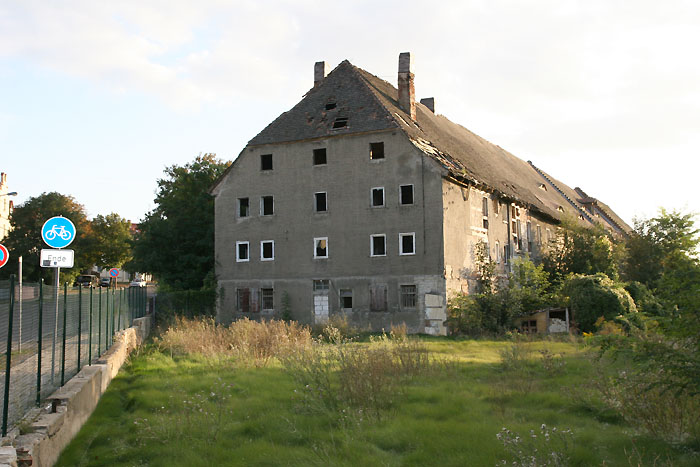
(529, 236)
(506, 254)
(267, 206)
(408, 296)
(321, 247)
(378, 245)
(243, 207)
(340, 122)
(407, 243)
(520, 235)
(246, 302)
(485, 206)
(320, 201)
(346, 299)
(405, 194)
(377, 298)
(242, 251)
(267, 250)
(321, 285)
(376, 151)
(377, 197)
(265, 161)
(320, 156)
(267, 299)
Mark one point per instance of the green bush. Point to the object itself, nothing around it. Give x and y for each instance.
(594, 296)
(643, 298)
(464, 316)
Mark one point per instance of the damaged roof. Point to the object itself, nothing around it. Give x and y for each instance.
(370, 103)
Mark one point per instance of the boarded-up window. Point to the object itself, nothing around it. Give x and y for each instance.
(408, 296)
(377, 298)
(247, 300)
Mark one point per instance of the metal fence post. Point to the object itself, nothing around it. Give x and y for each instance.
(119, 311)
(99, 322)
(8, 357)
(39, 342)
(114, 292)
(80, 319)
(90, 332)
(63, 346)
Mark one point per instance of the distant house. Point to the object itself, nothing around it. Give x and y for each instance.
(6, 206)
(361, 201)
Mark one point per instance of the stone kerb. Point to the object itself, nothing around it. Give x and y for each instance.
(72, 404)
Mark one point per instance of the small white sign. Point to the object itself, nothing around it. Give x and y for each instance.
(56, 259)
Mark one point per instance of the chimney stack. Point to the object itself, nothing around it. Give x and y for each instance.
(320, 72)
(407, 92)
(429, 102)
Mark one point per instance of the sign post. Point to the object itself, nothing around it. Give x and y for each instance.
(19, 343)
(57, 232)
(114, 273)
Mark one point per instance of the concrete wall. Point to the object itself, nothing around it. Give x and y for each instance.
(72, 404)
(347, 178)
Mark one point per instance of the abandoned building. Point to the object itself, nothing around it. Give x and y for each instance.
(362, 201)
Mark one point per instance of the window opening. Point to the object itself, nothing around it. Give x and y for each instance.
(406, 194)
(321, 285)
(267, 206)
(376, 151)
(340, 122)
(408, 296)
(267, 299)
(320, 156)
(529, 236)
(246, 301)
(539, 235)
(321, 247)
(377, 298)
(407, 243)
(320, 201)
(498, 252)
(331, 106)
(346, 299)
(267, 250)
(378, 245)
(243, 207)
(242, 251)
(265, 161)
(377, 197)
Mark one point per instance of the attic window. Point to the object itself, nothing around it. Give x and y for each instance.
(376, 151)
(320, 156)
(330, 106)
(340, 122)
(543, 187)
(560, 209)
(265, 161)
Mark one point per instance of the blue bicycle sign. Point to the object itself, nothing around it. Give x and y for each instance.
(58, 232)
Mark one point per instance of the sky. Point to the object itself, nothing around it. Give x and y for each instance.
(97, 98)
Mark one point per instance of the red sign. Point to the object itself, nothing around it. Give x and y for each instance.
(4, 255)
(114, 272)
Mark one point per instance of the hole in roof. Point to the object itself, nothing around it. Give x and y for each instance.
(330, 106)
(340, 122)
(543, 187)
(560, 209)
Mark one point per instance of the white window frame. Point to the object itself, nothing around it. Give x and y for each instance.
(407, 234)
(238, 258)
(498, 252)
(327, 249)
(371, 197)
(261, 250)
(316, 205)
(371, 245)
(413, 195)
(262, 205)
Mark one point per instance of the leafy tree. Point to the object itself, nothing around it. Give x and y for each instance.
(529, 283)
(25, 239)
(111, 240)
(593, 296)
(176, 239)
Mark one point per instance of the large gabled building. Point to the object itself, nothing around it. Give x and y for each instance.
(360, 200)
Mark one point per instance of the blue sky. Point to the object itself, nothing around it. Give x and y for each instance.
(97, 98)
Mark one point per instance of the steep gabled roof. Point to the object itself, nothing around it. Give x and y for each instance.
(371, 104)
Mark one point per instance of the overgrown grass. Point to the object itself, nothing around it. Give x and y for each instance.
(443, 402)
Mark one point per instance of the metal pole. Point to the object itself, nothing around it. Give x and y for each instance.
(90, 332)
(63, 347)
(8, 357)
(55, 327)
(114, 293)
(99, 322)
(19, 343)
(80, 319)
(39, 342)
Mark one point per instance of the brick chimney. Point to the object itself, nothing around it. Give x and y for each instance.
(429, 102)
(407, 92)
(320, 72)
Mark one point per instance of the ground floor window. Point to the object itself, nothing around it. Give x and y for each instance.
(408, 296)
(267, 301)
(377, 298)
(246, 300)
(346, 299)
(321, 285)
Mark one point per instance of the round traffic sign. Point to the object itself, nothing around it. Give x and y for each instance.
(58, 232)
(4, 255)
(114, 272)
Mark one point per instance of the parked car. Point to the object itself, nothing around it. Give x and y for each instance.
(86, 280)
(105, 282)
(137, 283)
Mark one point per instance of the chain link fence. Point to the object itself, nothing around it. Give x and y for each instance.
(48, 334)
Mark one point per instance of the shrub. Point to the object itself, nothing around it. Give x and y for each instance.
(464, 315)
(594, 296)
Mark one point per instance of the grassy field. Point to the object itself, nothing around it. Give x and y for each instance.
(169, 409)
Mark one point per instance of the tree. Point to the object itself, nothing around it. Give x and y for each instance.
(176, 239)
(111, 240)
(25, 239)
(593, 296)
